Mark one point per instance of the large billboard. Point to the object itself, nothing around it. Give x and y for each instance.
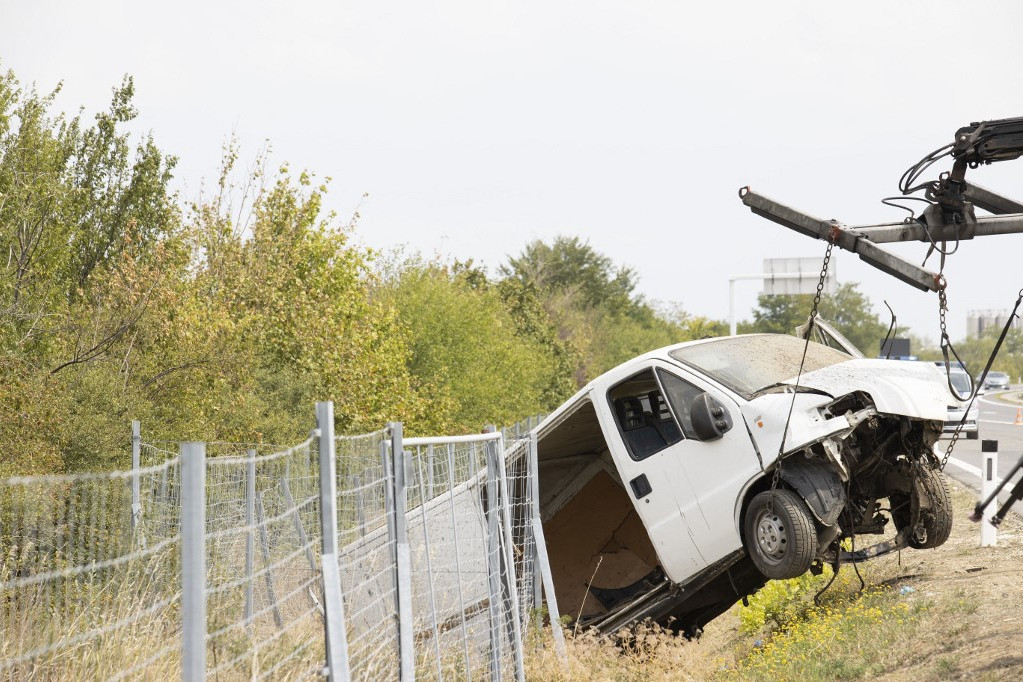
(787, 276)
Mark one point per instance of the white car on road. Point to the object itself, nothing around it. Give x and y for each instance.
(957, 406)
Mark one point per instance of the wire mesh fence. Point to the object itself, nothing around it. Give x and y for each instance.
(367, 555)
(436, 562)
(262, 554)
(78, 587)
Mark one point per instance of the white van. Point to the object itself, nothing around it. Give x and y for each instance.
(657, 480)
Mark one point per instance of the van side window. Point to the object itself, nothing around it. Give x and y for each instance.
(644, 419)
(681, 394)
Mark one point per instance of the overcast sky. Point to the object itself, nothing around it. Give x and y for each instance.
(477, 126)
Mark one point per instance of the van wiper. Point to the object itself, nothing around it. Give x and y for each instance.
(781, 386)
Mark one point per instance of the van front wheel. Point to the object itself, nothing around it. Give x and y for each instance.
(780, 536)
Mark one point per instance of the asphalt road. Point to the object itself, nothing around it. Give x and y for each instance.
(997, 422)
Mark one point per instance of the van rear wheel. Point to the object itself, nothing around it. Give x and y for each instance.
(780, 535)
(935, 510)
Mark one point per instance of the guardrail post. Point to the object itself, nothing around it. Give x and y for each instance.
(988, 474)
(333, 606)
(193, 562)
(136, 455)
(403, 559)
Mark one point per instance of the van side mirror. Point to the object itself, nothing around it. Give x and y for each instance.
(709, 417)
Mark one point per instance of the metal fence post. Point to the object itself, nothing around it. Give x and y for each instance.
(403, 563)
(193, 561)
(136, 455)
(434, 626)
(250, 520)
(543, 581)
(534, 493)
(296, 521)
(161, 505)
(268, 575)
(385, 463)
(430, 473)
(360, 504)
(988, 474)
(334, 620)
(510, 583)
(493, 571)
(458, 561)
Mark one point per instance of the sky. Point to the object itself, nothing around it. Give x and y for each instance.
(475, 127)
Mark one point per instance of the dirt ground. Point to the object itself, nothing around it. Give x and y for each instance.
(975, 629)
(982, 640)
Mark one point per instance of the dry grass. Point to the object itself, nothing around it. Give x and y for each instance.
(129, 626)
(652, 654)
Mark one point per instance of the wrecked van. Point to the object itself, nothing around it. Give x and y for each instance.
(663, 494)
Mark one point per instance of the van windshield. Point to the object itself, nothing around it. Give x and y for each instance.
(747, 364)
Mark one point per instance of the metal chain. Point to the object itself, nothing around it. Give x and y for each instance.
(945, 344)
(820, 282)
(813, 316)
(942, 309)
(777, 475)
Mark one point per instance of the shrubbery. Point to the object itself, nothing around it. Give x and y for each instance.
(226, 317)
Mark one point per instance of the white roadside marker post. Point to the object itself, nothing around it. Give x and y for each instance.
(988, 472)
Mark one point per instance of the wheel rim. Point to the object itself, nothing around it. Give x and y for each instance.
(772, 536)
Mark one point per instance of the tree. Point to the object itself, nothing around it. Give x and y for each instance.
(571, 266)
(594, 305)
(480, 352)
(71, 200)
(211, 323)
(976, 351)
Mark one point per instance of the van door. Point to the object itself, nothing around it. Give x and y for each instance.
(717, 470)
(640, 439)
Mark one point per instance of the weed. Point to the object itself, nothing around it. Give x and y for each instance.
(826, 642)
(946, 666)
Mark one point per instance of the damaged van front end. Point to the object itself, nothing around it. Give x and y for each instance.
(859, 447)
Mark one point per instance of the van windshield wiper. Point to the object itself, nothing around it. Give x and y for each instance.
(782, 386)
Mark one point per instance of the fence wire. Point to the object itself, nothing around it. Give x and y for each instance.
(263, 607)
(90, 574)
(82, 595)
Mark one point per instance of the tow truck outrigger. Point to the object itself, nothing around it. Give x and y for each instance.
(949, 216)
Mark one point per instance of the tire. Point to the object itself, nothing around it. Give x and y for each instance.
(780, 535)
(936, 520)
(972, 435)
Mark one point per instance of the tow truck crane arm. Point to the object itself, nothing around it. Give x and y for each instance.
(988, 141)
(950, 216)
